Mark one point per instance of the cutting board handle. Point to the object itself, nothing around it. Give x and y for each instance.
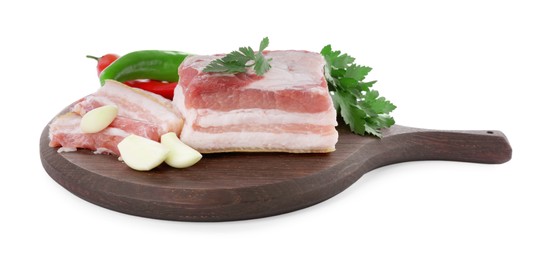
(412, 144)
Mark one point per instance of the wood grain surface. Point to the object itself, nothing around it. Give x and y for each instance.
(236, 186)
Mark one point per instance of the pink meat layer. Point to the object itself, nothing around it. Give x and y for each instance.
(284, 87)
(287, 109)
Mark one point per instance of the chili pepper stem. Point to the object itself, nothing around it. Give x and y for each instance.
(92, 57)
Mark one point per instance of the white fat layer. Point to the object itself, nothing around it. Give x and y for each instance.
(153, 107)
(107, 131)
(69, 124)
(123, 110)
(179, 100)
(199, 62)
(264, 141)
(66, 149)
(209, 117)
(292, 70)
(102, 150)
(66, 120)
(65, 123)
(115, 132)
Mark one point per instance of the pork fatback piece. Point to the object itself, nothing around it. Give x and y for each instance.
(134, 105)
(288, 109)
(65, 133)
(139, 112)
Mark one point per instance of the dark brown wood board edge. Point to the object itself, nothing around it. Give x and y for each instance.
(399, 144)
(74, 179)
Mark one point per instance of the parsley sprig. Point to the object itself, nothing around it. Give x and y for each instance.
(360, 107)
(238, 61)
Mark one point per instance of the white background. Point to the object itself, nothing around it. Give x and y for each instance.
(446, 64)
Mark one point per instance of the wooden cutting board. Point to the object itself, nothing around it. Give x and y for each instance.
(235, 186)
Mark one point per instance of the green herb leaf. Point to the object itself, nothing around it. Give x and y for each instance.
(261, 64)
(360, 107)
(357, 72)
(264, 44)
(238, 61)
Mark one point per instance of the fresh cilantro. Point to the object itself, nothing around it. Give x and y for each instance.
(360, 107)
(238, 61)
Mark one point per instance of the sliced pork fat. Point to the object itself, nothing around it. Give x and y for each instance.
(134, 105)
(139, 112)
(66, 133)
(288, 109)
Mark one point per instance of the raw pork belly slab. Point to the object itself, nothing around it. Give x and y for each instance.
(288, 109)
(139, 112)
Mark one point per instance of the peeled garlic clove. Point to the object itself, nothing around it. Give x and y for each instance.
(180, 155)
(142, 154)
(98, 119)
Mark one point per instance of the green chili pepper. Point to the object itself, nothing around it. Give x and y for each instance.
(148, 64)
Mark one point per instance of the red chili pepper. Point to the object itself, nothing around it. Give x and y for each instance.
(163, 88)
(103, 61)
